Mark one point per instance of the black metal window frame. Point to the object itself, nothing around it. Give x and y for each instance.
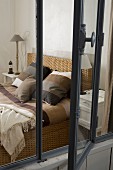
(74, 160)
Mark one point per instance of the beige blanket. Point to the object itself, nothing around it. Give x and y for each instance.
(13, 121)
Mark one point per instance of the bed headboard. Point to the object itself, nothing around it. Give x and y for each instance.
(54, 63)
(63, 64)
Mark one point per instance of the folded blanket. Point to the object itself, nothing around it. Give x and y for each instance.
(13, 121)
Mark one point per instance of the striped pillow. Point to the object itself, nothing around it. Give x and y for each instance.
(55, 87)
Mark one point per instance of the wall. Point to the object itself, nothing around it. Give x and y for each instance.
(58, 20)
(17, 17)
(6, 32)
(58, 28)
(25, 26)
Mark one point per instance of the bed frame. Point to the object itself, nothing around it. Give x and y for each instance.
(57, 135)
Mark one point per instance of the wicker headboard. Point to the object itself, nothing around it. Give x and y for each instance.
(54, 63)
(62, 64)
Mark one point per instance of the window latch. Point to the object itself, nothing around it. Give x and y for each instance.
(83, 39)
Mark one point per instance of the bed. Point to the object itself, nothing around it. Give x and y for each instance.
(55, 135)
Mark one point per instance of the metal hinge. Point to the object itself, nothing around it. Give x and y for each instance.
(97, 122)
(101, 39)
(77, 114)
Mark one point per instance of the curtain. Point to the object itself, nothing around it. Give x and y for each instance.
(109, 79)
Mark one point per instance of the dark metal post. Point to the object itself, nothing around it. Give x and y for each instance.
(75, 87)
(97, 66)
(39, 73)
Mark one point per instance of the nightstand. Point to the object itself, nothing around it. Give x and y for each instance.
(85, 109)
(11, 76)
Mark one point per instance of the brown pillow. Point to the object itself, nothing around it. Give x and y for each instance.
(55, 87)
(23, 75)
(25, 90)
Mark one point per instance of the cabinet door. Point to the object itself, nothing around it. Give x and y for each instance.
(99, 160)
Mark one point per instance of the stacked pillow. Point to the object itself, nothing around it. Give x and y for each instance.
(31, 69)
(26, 82)
(25, 90)
(22, 76)
(56, 87)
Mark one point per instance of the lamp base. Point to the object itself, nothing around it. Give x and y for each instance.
(17, 73)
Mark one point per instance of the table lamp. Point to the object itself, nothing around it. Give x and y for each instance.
(86, 78)
(16, 38)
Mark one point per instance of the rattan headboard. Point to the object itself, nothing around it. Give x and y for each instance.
(54, 63)
(62, 64)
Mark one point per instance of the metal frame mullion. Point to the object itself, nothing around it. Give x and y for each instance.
(39, 74)
(97, 66)
(75, 87)
(84, 154)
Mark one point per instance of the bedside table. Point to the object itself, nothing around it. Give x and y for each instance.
(11, 76)
(85, 109)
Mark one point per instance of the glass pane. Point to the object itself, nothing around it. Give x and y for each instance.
(17, 110)
(87, 74)
(58, 27)
(105, 93)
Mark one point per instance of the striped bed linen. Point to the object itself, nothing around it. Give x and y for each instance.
(51, 114)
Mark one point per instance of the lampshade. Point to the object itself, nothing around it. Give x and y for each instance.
(16, 38)
(85, 62)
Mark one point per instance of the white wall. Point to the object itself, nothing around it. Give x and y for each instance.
(25, 26)
(58, 25)
(58, 20)
(17, 17)
(6, 31)
(58, 28)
